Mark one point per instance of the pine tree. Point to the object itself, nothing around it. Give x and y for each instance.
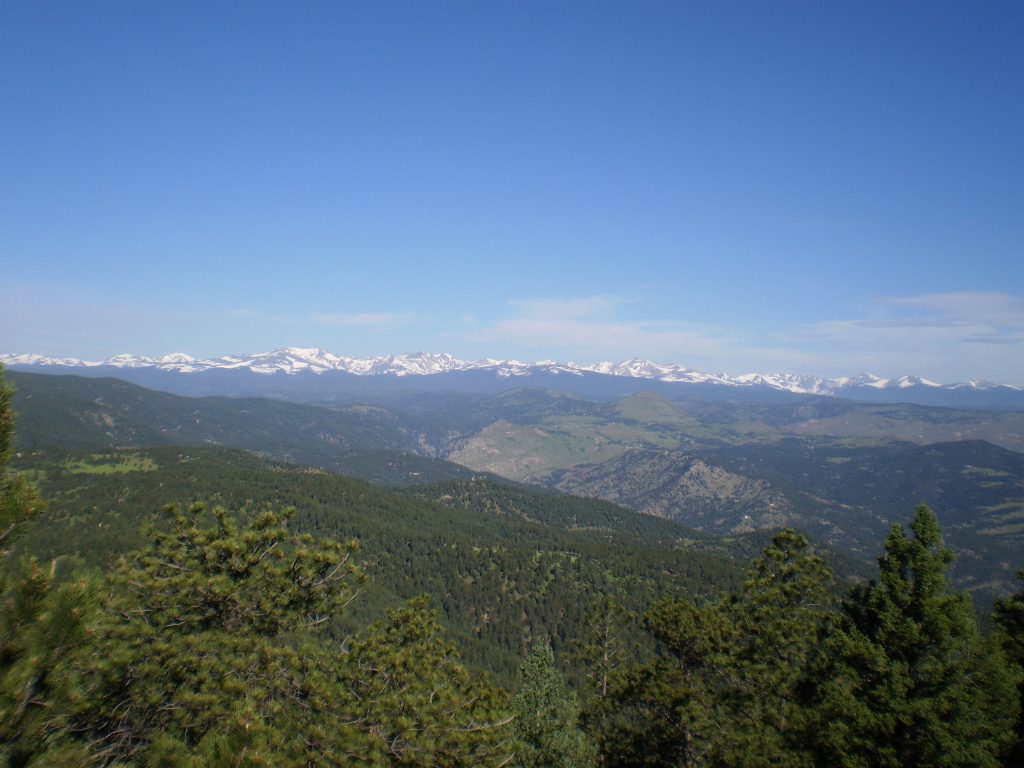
(606, 650)
(40, 623)
(18, 502)
(214, 652)
(603, 659)
(1009, 616)
(668, 712)
(407, 686)
(778, 618)
(214, 624)
(723, 689)
(904, 679)
(547, 716)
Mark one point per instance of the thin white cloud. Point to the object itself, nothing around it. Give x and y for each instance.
(571, 308)
(364, 319)
(947, 337)
(258, 315)
(986, 307)
(588, 328)
(595, 338)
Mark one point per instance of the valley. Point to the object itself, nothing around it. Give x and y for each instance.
(839, 470)
(504, 564)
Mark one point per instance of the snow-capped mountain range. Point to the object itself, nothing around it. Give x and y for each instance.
(296, 360)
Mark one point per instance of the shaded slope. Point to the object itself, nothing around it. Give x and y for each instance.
(81, 414)
(502, 579)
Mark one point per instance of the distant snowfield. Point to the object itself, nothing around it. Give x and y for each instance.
(295, 360)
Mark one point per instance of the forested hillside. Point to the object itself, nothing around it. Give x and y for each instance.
(505, 566)
(722, 468)
(255, 637)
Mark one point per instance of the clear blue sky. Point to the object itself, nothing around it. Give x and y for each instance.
(824, 187)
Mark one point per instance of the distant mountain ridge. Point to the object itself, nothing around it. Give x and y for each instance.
(298, 360)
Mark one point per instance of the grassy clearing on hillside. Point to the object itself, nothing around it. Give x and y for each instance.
(654, 410)
(1006, 512)
(531, 452)
(1010, 514)
(984, 472)
(110, 464)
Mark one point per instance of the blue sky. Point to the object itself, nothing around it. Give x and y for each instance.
(815, 187)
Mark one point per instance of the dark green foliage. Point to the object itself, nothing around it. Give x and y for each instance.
(722, 689)
(664, 712)
(40, 623)
(1009, 616)
(546, 714)
(210, 654)
(81, 414)
(18, 503)
(231, 640)
(212, 651)
(505, 565)
(559, 510)
(976, 489)
(605, 652)
(904, 679)
(770, 676)
(794, 466)
(777, 622)
(410, 690)
(208, 619)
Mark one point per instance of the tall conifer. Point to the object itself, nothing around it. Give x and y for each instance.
(1009, 617)
(547, 718)
(40, 623)
(724, 688)
(905, 679)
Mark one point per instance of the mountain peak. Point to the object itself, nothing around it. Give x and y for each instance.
(315, 360)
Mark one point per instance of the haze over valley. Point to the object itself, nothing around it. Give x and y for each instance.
(730, 464)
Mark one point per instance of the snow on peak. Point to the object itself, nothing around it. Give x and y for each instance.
(33, 359)
(130, 361)
(791, 382)
(914, 381)
(296, 360)
(175, 358)
(981, 384)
